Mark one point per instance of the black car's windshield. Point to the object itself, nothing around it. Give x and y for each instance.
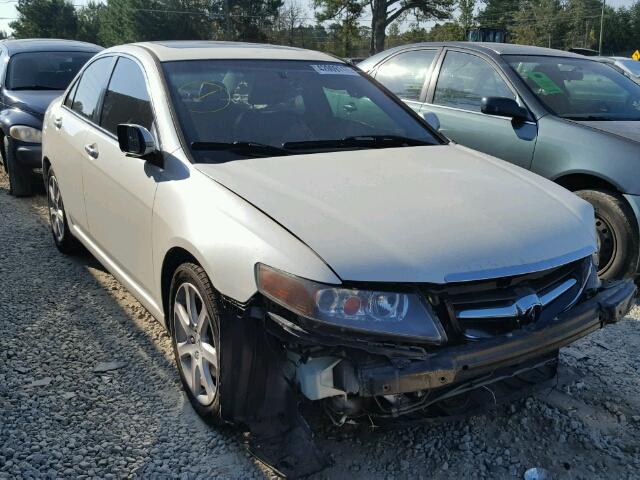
(44, 70)
(231, 109)
(579, 89)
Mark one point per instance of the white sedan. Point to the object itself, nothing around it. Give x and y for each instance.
(303, 234)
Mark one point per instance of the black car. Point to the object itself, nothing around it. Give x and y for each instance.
(32, 73)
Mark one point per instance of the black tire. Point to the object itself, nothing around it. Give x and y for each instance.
(617, 234)
(62, 236)
(20, 181)
(189, 274)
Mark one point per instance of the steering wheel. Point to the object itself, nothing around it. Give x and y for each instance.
(210, 96)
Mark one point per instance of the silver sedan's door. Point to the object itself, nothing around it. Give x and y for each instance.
(120, 190)
(463, 80)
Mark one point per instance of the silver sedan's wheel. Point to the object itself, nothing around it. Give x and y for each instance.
(195, 343)
(56, 211)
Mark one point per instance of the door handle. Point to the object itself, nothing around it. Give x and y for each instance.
(91, 150)
(57, 122)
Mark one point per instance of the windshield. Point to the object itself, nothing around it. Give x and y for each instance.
(632, 65)
(579, 89)
(231, 109)
(44, 70)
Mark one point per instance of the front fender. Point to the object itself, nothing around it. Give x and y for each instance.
(565, 147)
(14, 116)
(226, 234)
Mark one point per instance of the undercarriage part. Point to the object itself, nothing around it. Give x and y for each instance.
(322, 377)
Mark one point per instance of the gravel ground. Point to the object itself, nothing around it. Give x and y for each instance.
(63, 317)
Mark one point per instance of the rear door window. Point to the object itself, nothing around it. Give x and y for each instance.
(405, 73)
(91, 87)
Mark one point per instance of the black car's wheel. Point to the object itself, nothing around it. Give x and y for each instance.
(617, 234)
(20, 182)
(195, 328)
(62, 236)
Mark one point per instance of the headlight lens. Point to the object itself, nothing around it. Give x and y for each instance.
(26, 134)
(380, 312)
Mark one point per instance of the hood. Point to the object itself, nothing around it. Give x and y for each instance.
(416, 214)
(32, 101)
(628, 128)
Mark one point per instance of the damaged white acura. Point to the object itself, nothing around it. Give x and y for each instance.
(305, 236)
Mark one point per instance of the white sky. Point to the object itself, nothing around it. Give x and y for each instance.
(8, 10)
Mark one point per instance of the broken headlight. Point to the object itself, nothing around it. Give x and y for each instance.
(398, 314)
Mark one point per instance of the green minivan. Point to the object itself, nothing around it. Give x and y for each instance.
(562, 115)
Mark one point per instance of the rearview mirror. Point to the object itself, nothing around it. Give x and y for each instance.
(136, 141)
(432, 119)
(503, 107)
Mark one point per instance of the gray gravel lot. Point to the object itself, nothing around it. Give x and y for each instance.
(62, 318)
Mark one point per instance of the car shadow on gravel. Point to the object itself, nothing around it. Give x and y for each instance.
(62, 316)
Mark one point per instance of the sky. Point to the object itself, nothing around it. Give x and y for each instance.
(8, 10)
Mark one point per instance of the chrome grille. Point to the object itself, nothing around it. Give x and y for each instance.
(484, 309)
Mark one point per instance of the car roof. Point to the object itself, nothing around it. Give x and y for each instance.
(168, 51)
(496, 48)
(47, 45)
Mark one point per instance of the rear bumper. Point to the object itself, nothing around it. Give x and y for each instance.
(459, 364)
(29, 155)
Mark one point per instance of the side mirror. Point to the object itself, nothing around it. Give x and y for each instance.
(432, 119)
(503, 107)
(136, 141)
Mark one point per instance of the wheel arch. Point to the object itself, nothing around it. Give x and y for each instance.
(581, 181)
(174, 257)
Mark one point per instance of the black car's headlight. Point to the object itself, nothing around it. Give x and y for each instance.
(26, 134)
(369, 311)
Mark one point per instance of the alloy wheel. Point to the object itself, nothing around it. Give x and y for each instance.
(195, 343)
(56, 209)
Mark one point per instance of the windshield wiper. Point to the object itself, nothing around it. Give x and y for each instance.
(35, 87)
(358, 141)
(243, 148)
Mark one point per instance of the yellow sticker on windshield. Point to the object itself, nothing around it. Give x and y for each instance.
(547, 85)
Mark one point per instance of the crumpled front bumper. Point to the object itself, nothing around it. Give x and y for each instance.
(455, 365)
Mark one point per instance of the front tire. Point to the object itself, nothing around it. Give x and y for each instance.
(62, 236)
(20, 181)
(195, 327)
(617, 234)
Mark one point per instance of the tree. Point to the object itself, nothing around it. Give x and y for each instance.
(125, 21)
(89, 17)
(349, 12)
(45, 19)
(466, 18)
(385, 12)
(447, 32)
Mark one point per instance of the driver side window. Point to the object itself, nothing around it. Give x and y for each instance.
(465, 79)
(126, 99)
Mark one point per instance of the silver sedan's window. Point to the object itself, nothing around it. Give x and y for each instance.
(281, 103)
(579, 89)
(405, 73)
(465, 80)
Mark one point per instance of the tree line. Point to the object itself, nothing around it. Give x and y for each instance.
(343, 27)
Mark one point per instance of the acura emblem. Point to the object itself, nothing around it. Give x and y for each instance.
(529, 308)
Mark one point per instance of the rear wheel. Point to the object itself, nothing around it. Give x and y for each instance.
(62, 236)
(617, 234)
(195, 327)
